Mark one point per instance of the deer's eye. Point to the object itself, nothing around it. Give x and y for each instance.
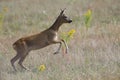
(65, 16)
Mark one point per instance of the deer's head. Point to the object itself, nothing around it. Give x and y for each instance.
(63, 18)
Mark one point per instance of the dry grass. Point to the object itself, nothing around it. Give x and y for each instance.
(93, 54)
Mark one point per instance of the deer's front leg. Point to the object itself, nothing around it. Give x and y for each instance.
(65, 45)
(60, 42)
(58, 50)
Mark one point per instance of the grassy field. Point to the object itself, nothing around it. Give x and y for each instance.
(94, 53)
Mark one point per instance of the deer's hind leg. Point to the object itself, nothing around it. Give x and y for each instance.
(22, 58)
(14, 59)
(24, 52)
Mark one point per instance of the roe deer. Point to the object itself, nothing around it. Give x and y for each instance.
(47, 37)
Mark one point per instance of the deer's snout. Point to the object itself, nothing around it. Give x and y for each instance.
(70, 21)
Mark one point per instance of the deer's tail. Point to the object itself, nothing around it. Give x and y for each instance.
(14, 46)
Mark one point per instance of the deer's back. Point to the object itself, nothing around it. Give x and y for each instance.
(37, 41)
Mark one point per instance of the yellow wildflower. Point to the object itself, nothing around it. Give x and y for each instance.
(88, 13)
(41, 67)
(67, 36)
(71, 33)
(5, 9)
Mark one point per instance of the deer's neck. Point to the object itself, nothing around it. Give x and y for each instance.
(56, 25)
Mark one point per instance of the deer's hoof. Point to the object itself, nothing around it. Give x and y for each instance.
(56, 53)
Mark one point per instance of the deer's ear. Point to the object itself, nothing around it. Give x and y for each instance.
(62, 10)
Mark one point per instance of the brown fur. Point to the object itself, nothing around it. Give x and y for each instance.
(50, 36)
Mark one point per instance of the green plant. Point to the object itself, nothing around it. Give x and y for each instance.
(69, 35)
(2, 16)
(1, 21)
(88, 18)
